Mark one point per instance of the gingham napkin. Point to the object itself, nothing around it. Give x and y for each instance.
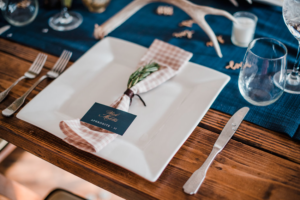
(91, 138)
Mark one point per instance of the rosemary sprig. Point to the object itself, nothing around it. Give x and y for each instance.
(141, 73)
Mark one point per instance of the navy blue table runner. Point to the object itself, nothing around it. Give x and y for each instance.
(143, 27)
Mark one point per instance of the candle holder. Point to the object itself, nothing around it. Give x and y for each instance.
(243, 31)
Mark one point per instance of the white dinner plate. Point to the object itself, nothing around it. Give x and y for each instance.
(173, 109)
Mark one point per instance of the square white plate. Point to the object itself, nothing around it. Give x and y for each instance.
(173, 109)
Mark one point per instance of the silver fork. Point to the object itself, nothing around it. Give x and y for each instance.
(57, 69)
(34, 70)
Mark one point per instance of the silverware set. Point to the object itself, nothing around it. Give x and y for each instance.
(35, 70)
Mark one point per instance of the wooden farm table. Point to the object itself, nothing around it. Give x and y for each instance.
(256, 164)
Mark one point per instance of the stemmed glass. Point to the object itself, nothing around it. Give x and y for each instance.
(264, 61)
(19, 12)
(65, 20)
(291, 16)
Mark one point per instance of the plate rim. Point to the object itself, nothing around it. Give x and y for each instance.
(157, 174)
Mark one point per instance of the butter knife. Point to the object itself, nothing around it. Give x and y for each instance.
(4, 28)
(197, 178)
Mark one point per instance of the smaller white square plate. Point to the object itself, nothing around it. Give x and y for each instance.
(173, 109)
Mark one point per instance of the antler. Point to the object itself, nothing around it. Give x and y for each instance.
(196, 12)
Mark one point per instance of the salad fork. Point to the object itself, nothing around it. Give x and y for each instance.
(57, 69)
(34, 70)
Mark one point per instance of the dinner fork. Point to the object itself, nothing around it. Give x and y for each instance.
(34, 70)
(57, 69)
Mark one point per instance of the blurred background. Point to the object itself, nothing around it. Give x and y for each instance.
(42, 177)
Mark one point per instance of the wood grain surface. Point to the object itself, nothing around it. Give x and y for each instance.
(256, 164)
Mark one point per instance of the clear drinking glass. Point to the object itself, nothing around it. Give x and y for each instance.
(265, 58)
(65, 20)
(19, 12)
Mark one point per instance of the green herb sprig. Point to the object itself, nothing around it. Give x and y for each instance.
(141, 73)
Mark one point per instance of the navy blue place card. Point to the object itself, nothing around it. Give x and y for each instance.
(108, 118)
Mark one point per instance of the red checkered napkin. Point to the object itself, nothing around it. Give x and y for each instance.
(91, 138)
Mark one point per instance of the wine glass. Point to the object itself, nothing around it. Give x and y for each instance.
(65, 20)
(291, 16)
(19, 12)
(265, 58)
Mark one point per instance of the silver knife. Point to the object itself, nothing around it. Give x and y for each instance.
(4, 28)
(197, 178)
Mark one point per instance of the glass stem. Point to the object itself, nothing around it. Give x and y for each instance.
(64, 12)
(65, 17)
(297, 63)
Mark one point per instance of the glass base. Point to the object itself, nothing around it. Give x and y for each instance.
(65, 21)
(292, 82)
(260, 103)
(258, 97)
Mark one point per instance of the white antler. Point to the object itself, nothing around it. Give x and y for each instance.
(196, 12)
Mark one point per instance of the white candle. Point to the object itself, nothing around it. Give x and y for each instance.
(243, 31)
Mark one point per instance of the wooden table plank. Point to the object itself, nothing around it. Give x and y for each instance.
(256, 164)
(25, 53)
(240, 171)
(248, 133)
(256, 136)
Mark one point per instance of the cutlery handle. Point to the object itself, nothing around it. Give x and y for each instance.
(193, 184)
(10, 110)
(5, 92)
